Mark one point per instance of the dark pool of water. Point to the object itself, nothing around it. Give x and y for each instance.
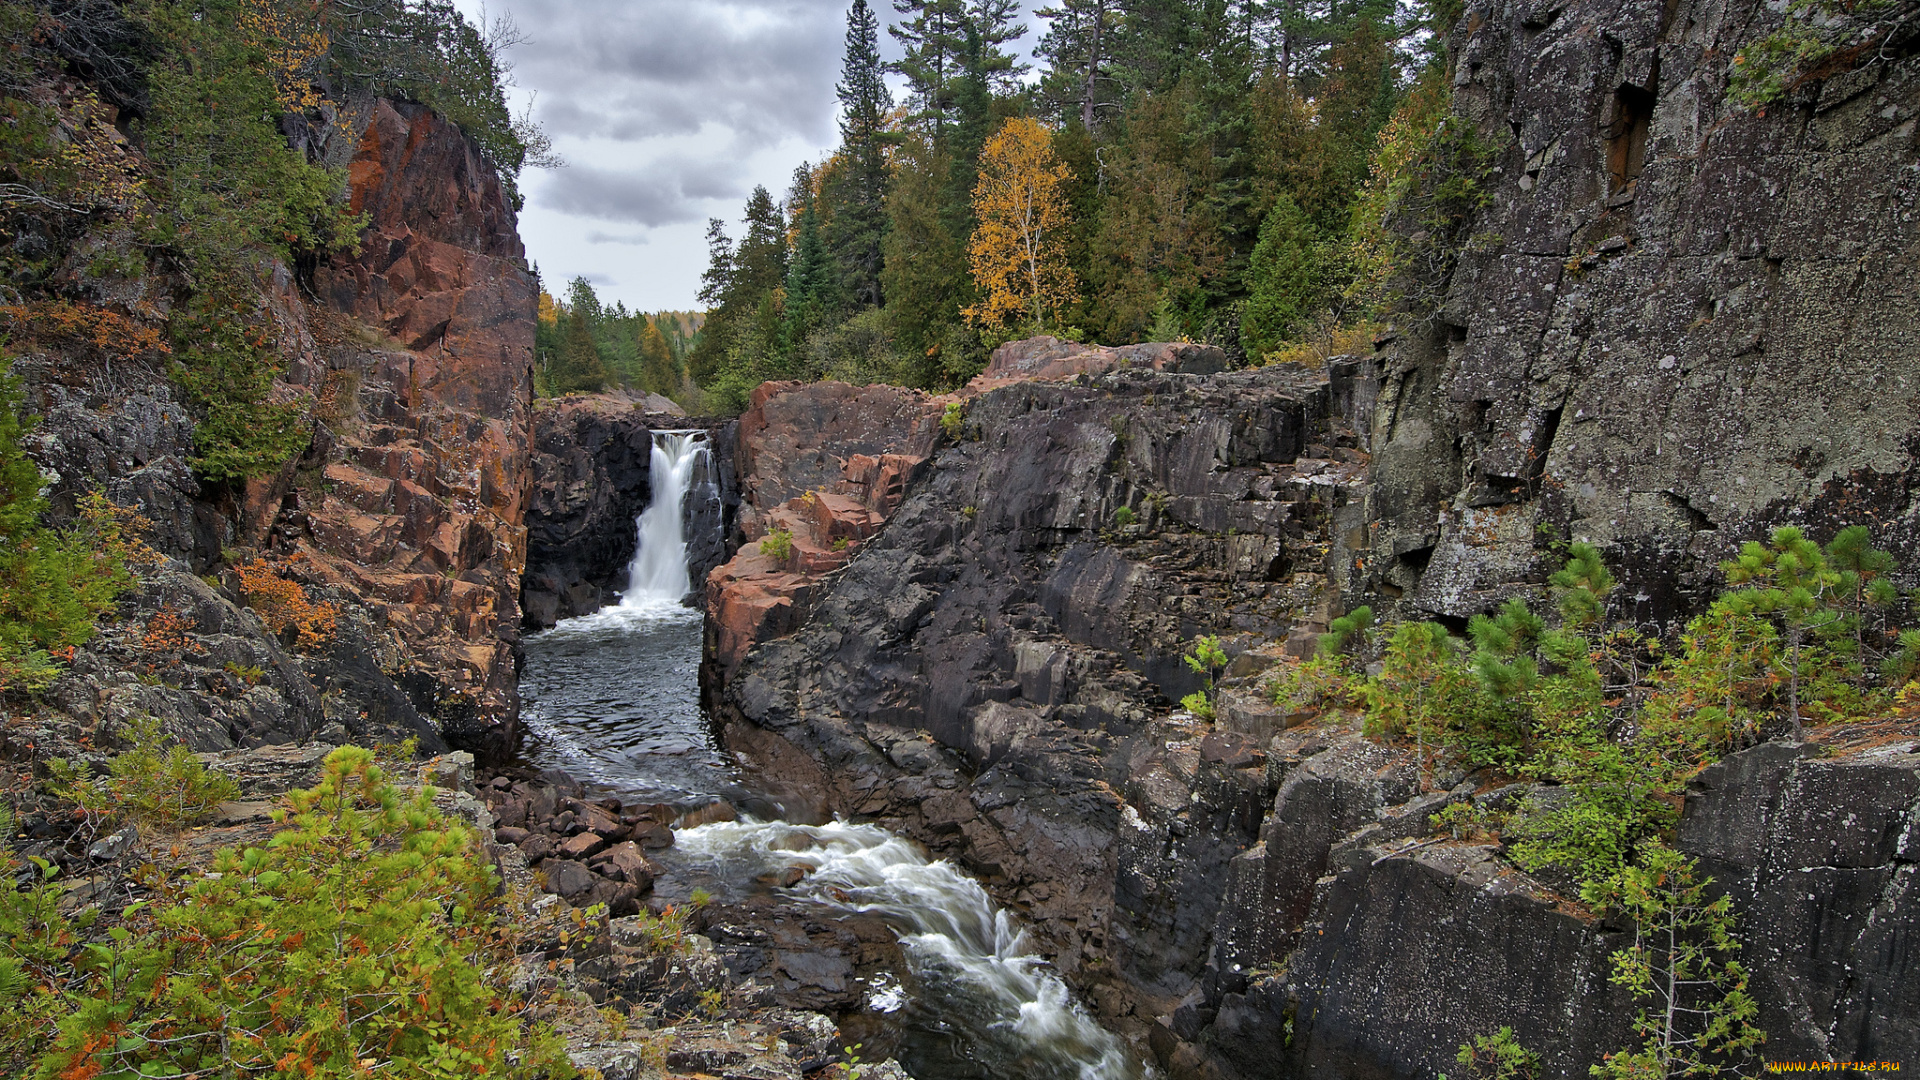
(613, 698)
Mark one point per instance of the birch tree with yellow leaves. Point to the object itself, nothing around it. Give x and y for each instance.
(1018, 253)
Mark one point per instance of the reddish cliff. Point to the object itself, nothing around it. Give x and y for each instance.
(423, 373)
(824, 464)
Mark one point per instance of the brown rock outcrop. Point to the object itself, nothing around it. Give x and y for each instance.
(424, 390)
(825, 464)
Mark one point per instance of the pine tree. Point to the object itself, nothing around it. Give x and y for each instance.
(1079, 48)
(932, 39)
(857, 196)
(992, 23)
(948, 41)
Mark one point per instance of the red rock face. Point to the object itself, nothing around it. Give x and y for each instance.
(426, 391)
(826, 463)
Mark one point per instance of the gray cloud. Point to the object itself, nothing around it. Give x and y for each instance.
(661, 192)
(599, 237)
(669, 112)
(737, 76)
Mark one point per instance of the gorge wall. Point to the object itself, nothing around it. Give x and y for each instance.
(1676, 321)
(1674, 324)
(413, 358)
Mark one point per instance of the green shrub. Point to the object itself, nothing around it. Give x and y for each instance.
(1684, 964)
(1819, 39)
(152, 787)
(363, 935)
(1355, 627)
(1619, 797)
(1498, 1056)
(1207, 658)
(54, 583)
(777, 545)
(1123, 517)
(1317, 683)
(226, 366)
(37, 943)
(952, 421)
(1424, 691)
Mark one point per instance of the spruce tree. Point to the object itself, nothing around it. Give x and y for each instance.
(760, 266)
(858, 193)
(925, 275)
(717, 278)
(810, 298)
(577, 366)
(1284, 280)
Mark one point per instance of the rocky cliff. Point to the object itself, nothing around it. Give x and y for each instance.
(413, 359)
(1675, 323)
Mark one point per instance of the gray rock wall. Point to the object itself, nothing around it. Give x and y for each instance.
(1663, 363)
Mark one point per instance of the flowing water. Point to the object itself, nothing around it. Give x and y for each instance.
(613, 698)
(977, 1005)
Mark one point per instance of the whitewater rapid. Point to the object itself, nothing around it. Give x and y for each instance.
(973, 974)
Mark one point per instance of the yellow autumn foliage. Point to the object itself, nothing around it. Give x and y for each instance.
(1018, 252)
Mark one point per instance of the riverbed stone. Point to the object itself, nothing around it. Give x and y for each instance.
(567, 879)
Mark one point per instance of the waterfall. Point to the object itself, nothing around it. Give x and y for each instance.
(979, 988)
(658, 574)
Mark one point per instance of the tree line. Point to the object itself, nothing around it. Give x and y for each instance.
(1177, 169)
(583, 345)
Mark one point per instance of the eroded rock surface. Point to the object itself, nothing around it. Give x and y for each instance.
(989, 673)
(824, 464)
(1677, 323)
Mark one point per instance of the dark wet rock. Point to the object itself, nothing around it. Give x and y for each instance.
(569, 880)
(592, 476)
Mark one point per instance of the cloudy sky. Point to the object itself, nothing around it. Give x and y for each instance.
(668, 112)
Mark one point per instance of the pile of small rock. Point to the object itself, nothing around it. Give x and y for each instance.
(586, 850)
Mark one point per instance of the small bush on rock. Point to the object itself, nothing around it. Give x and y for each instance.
(777, 545)
(362, 938)
(283, 605)
(146, 784)
(1498, 1056)
(54, 583)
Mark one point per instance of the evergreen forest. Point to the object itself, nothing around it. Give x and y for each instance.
(1214, 171)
